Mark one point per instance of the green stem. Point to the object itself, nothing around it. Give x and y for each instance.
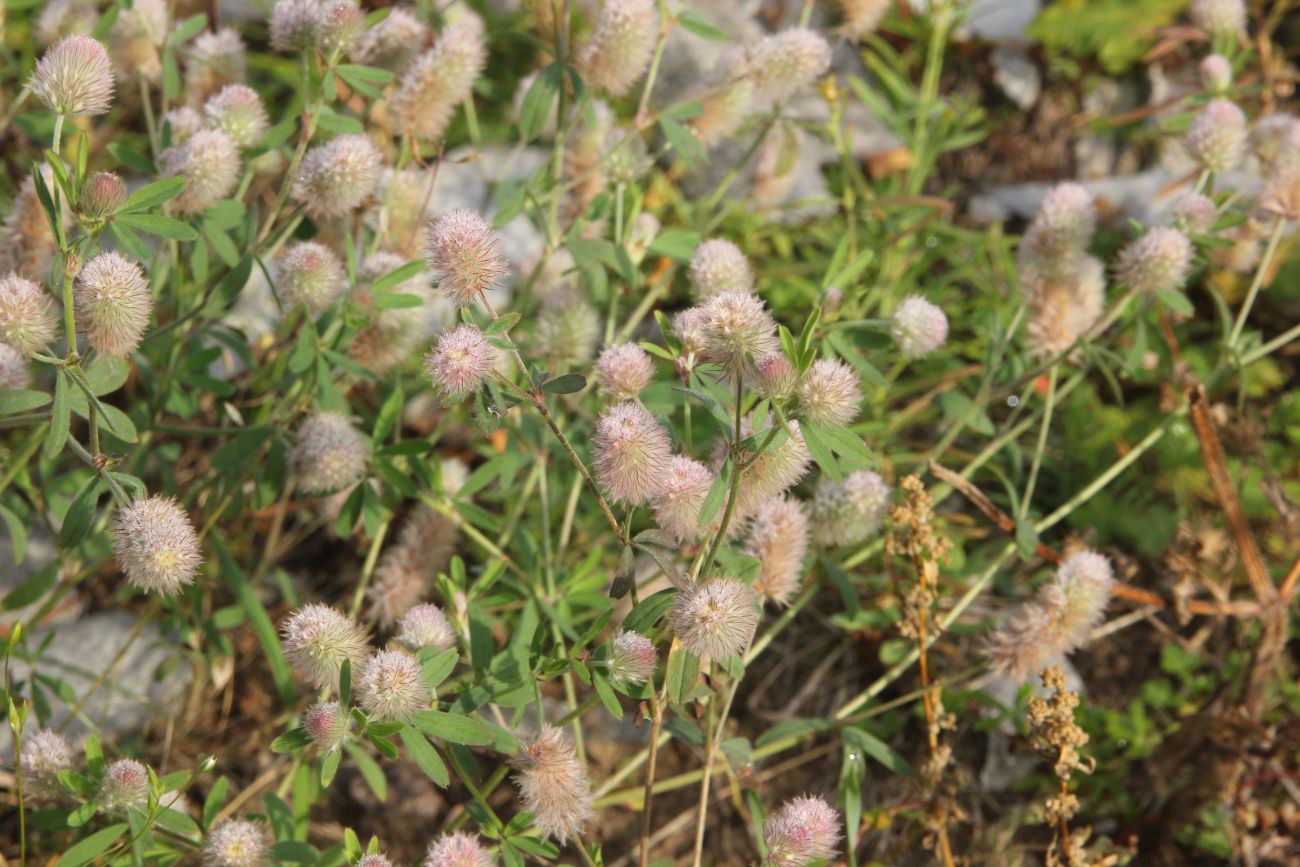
(1269, 252)
(1042, 444)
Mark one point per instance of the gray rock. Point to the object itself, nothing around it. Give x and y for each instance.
(1017, 75)
(38, 553)
(1138, 195)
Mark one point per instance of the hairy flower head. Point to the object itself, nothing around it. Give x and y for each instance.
(618, 52)
(1064, 226)
(237, 111)
(722, 111)
(310, 275)
(156, 546)
(62, 18)
(390, 687)
(1216, 73)
(717, 266)
(328, 455)
(1217, 137)
(44, 753)
(862, 17)
(238, 843)
(101, 195)
(1194, 214)
(74, 77)
(849, 511)
(738, 330)
(393, 42)
(425, 626)
(209, 163)
(465, 254)
(460, 849)
(553, 784)
(624, 370)
(460, 362)
(113, 301)
(568, 328)
(215, 59)
(1157, 262)
(14, 369)
(804, 830)
(688, 328)
(632, 658)
(918, 327)
(338, 25)
(775, 376)
(786, 62)
(677, 506)
(318, 640)
(778, 537)
(1220, 17)
(26, 323)
(829, 393)
(773, 471)
(126, 785)
(1064, 307)
(294, 23)
(338, 176)
(137, 38)
(716, 619)
(326, 724)
(633, 454)
(439, 80)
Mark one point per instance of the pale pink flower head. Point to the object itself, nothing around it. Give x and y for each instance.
(568, 328)
(1220, 17)
(339, 24)
(829, 393)
(633, 454)
(101, 195)
(804, 830)
(1064, 225)
(786, 62)
(156, 545)
(1216, 73)
(390, 687)
(1157, 262)
(553, 785)
(26, 321)
(238, 843)
(847, 512)
(624, 370)
(778, 537)
(1058, 620)
(1276, 141)
(43, 754)
(460, 849)
(14, 369)
(336, 177)
(688, 328)
(723, 110)
(318, 640)
(237, 111)
(216, 59)
(137, 38)
(632, 658)
(328, 455)
(209, 163)
(113, 301)
(75, 77)
(1217, 137)
(716, 619)
(310, 275)
(62, 18)
(393, 42)
(1062, 308)
(294, 23)
(718, 265)
(618, 52)
(1195, 214)
(460, 362)
(440, 79)
(126, 785)
(184, 122)
(677, 506)
(465, 254)
(918, 327)
(425, 626)
(775, 376)
(738, 330)
(774, 471)
(373, 860)
(326, 724)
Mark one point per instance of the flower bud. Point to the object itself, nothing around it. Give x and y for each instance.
(318, 640)
(786, 62)
(1216, 73)
(460, 849)
(44, 753)
(1157, 262)
(338, 176)
(326, 724)
(237, 111)
(113, 301)
(619, 50)
(310, 275)
(101, 195)
(716, 619)
(804, 830)
(465, 254)
(632, 659)
(390, 687)
(553, 785)
(1217, 137)
(214, 61)
(847, 512)
(425, 626)
(1220, 17)
(677, 506)
(209, 163)
(14, 372)
(623, 371)
(294, 23)
(74, 77)
(329, 455)
(778, 537)
(918, 327)
(126, 785)
(238, 843)
(633, 454)
(26, 323)
(775, 376)
(439, 80)
(738, 330)
(718, 266)
(460, 362)
(829, 393)
(156, 546)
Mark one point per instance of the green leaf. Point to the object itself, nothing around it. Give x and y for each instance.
(1026, 538)
(188, 29)
(295, 850)
(106, 375)
(80, 516)
(90, 848)
(878, 750)
(132, 159)
(504, 323)
(32, 589)
(152, 194)
(713, 500)
(129, 241)
(820, 449)
(332, 121)
(680, 675)
(291, 741)
(450, 727)
(569, 383)
(676, 244)
(961, 408)
(606, 692)
(648, 611)
(695, 23)
(395, 300)
(329, 766)
(369, 770)
(1177, 302)
(425, 756)
(539, 102)
(16, 400)
(17, 532)
(60, 417)
(688, 147)
(364, 78)
(847, 445)
(436, 664)
(400, 274)
(216, 797)
(156, 224)
(789, 728)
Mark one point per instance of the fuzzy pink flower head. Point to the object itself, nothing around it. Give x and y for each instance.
(1157, 262)
(1220, 17)
(101, 195)
(237, 111)
(1058, 620)
(294, 23)
(718, 265)
(774, 471)
(390, 687)
(624, 370)
(425, 626)
(786, 62)
(677, 506)
(716, 619)
(440, 79)
(723, 110)
(465, 254)
(1065, 305)
(393, 42)
(336, 177)
(688, 328)
(460, 362)
(43, 754)
(126, 785)
(183, 122)
(113, 301)
(75, 77)
(62, 18)
(829, 393)
(632, 658)
(778, 537)
(918, 327)
(339, 25)
(1195, 214)
(619, 49)
(633, 454)
(1216, 73)
(208, 161)
(775, 376)
(318, 640)
(238, 843)
(1064, 224)
(1217, 137)
(310, 275)
(328, 455)
(738, 330)
(215, 60)
(26, 321)
(553, 785)
(847, 512)
(156, 546)
(14, 369)
(460, 849)
(804, 830)
(373, 860)
(326, 724)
